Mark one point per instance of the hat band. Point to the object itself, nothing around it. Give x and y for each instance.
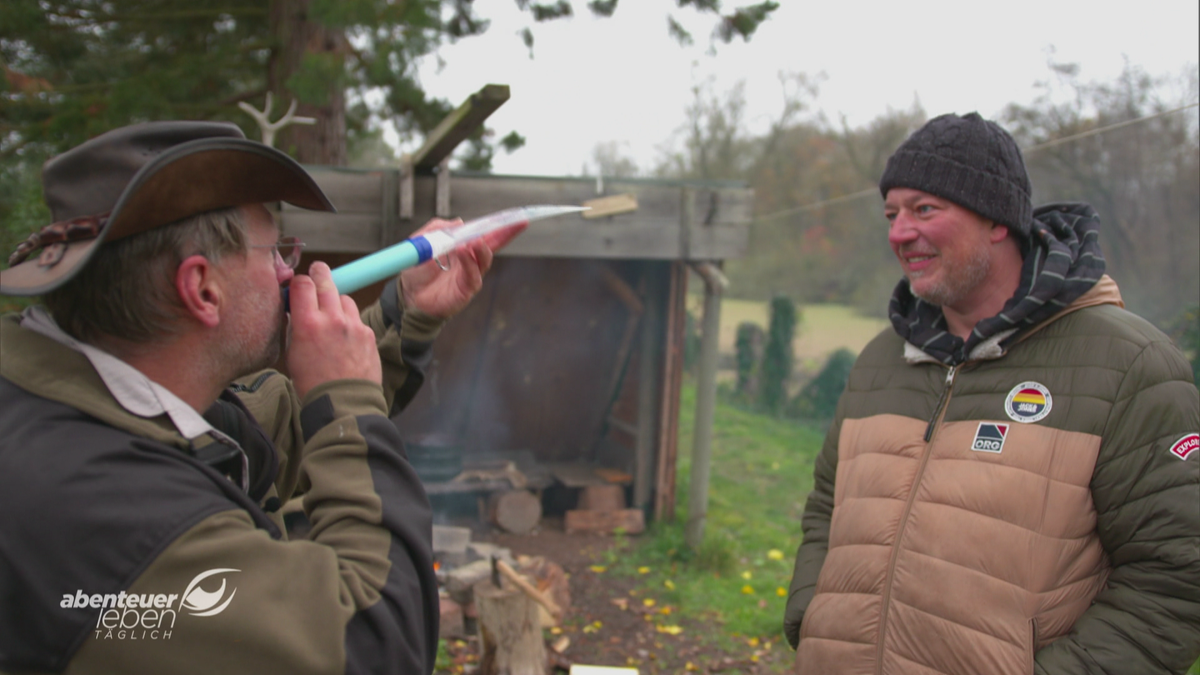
(53, 239)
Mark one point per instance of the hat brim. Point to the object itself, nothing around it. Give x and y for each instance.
(190, 178)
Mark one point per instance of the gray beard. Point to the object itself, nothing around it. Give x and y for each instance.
(958, 282)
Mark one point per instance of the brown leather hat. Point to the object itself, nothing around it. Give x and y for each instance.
(138, 177)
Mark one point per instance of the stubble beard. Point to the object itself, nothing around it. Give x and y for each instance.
(246, 351)
(956, 282)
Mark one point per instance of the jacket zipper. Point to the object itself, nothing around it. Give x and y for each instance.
(938, 413)
(941, 404)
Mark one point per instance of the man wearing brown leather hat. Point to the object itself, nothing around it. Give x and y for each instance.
(145, 451)
(1011, 485)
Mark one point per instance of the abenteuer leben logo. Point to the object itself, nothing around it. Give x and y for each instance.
(152, 616)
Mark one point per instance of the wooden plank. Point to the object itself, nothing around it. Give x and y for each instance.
(652, 232)
(575, 475)
(631, 521)
(442, 207)
(389, 204)
(612, 205)
(342, 232)
(406, 187)
(350, 191)
(664, 498)
(459, 124)
(649, 366)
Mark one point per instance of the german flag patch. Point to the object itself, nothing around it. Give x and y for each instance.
(1028, 402)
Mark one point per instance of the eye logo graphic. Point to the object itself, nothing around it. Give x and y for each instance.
(200, 602)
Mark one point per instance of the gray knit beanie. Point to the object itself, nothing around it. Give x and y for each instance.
(969, 161)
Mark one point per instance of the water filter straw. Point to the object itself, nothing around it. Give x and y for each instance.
(416, 250)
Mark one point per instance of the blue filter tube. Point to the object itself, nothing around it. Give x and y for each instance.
(416, 250)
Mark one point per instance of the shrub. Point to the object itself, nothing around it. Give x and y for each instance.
(748, 351)
(777, 358)
(818, 399)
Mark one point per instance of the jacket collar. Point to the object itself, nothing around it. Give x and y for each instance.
(43, 360)
(1104, 292)
(131, 389)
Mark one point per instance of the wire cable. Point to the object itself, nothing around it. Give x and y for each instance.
(1041, 146)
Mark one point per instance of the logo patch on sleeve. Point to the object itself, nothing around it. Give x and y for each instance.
(1028, 402)
(1185, 446)
(989, 437)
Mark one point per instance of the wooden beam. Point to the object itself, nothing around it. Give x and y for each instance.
(442, 208)
(458, 125)
(613, 205)
(664, 498)
(631, 521)
(653, 232)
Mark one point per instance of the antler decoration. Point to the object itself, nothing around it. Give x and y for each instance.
(267, 126)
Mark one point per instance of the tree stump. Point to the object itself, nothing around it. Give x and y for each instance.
(510, 634)
(516, 511)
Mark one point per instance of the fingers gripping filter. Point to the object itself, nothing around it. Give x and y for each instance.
(139, 177)
(967, 160)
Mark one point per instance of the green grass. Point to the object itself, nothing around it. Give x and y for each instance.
(761, 475)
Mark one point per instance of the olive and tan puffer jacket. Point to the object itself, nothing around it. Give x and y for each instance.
(1032, 509)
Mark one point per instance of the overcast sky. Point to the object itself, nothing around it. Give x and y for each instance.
(624, 79)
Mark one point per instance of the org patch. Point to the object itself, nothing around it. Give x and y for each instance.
(1185, 446)
(989, 437)
(1028, 402)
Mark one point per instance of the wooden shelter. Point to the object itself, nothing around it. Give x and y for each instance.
(572, 354)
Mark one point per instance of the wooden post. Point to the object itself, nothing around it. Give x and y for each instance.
(648, 362)
(510, 632)
(706, 395)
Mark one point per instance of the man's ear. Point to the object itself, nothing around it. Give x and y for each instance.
(998, 232)
(199, 290)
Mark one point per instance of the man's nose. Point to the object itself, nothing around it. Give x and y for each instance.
(900, 231)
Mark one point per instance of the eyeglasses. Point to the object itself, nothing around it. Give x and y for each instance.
(288, 249)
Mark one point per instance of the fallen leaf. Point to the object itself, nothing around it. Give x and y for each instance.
(649, 602)
(748, 589)
(775, 554)
(781, 591)
(643, 570)
(746, 575)
(598, 569)
(670, 630)
(623, 603)
(669, 584)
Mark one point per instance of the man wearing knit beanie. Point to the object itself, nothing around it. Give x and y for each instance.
(1012, 479)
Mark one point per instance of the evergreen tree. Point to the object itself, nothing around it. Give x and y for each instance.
(777, 359)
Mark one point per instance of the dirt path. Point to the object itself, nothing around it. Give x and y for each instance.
(609, 624)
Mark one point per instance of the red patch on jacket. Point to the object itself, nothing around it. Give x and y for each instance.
(1185, 446)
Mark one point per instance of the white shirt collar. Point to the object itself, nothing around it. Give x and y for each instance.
(133, 390)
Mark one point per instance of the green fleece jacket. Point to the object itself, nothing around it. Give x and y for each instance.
(128, 548)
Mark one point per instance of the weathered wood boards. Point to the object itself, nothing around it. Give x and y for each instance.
(672, 222)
